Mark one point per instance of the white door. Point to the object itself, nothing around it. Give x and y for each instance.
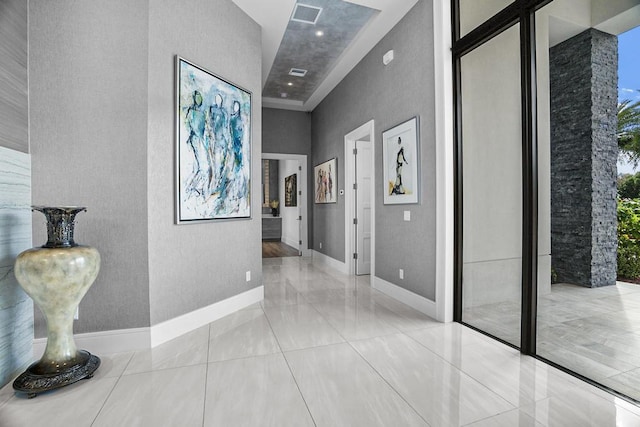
(363, 207)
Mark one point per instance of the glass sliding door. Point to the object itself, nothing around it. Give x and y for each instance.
(587, 322)
(537, 206)
(492, 186)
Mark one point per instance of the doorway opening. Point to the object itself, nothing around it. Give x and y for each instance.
(284, 205)
(360, 200)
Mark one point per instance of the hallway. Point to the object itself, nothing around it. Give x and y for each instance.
(323, 349)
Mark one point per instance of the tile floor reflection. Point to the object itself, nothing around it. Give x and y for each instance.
(323, 349)
(592, 331)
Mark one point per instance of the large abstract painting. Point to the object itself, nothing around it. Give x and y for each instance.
(401, 163)
(213, 155)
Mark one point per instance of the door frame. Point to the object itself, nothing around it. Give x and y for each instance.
(302, 199)
(366, 131)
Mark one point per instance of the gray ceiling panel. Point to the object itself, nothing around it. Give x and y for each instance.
(340, 23)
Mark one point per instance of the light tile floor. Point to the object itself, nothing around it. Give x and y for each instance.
(594, 332)
(323, 349)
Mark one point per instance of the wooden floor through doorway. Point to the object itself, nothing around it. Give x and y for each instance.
(277, 250)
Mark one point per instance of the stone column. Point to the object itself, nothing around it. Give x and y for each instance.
(584, 152)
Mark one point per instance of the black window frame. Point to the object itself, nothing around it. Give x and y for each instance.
(519, 12)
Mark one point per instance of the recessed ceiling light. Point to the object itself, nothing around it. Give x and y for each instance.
(289, 84)
(319, 33)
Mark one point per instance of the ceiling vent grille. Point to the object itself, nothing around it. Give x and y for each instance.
(298, 72)
(306, 14)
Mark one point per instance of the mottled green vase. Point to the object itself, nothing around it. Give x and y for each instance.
(57, 276)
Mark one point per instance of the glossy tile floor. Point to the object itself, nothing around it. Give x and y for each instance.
(323, 349)
(592, 331)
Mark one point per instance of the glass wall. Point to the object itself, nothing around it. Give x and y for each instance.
(475, 12)
(587, 322)
(545, 181)
(492, 187)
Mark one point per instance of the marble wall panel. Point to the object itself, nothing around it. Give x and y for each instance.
(16, 308)
(15, 201)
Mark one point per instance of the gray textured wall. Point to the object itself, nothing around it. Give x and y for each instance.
(102, 77)
(289, 132)
(584, 153)
(194, 265)
(390, 95)
(286, 131)
(88, 95)
(14, 114)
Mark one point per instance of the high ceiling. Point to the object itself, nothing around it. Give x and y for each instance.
(327, 38)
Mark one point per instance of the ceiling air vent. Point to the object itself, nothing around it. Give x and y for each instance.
(298, 72)
(305, 13)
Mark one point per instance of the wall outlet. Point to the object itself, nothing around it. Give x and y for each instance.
(407, 215)
(248, 276)
(76, 316)
(320, 245)
(401, 273)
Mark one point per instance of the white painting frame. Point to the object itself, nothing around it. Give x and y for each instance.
(401, 163)
(325, 182)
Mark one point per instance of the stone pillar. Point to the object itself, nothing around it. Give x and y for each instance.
(584, 153)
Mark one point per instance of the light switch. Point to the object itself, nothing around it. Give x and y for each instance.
(407, 215)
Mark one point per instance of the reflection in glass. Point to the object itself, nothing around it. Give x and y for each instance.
(475, 12)
(492, 187)
(587, 322)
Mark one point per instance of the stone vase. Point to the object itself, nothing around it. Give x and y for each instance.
(57, 276)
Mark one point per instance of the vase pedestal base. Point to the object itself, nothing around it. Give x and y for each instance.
(36, 379)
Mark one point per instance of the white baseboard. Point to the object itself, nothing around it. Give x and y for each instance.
(116, 341)
(327, 261)
(124, 340)
(291, 242)
(420, 303)
(173, 328)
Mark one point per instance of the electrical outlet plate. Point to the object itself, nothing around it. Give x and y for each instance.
(401, 273)
(248, 276)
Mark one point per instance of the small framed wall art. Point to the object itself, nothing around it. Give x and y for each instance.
(213, 146)
(291, 191)
(401, 163)
(325, 177)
